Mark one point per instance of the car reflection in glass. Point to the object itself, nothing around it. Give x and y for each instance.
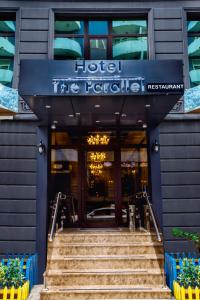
(105, 213)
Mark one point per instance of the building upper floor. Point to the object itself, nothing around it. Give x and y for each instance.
(99, 30)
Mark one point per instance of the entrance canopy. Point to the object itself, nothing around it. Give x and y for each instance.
(101, 92)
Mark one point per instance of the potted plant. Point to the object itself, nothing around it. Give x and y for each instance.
(187, 285)
(12, 281)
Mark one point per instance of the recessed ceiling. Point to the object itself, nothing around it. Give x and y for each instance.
(81, 111)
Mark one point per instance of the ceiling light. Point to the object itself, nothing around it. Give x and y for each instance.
(98, 139)
(71, 116)
(48, 106)
(124, 115)
(55, 122)
(97, 156)
(144, 125)
(97, 105)
(78, 114)
(97, 121)
(117, 113)
(148, 105)
(139, 121)
(53, 126)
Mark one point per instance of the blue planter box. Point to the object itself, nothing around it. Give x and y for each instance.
(173, 263)
(29, 265)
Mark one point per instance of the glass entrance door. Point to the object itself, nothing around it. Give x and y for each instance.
(102, 174)
(100, 196)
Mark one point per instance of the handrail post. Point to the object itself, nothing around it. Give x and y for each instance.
(55, 216)
(152, 215)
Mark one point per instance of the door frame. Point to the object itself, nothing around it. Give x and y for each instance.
(116, 147)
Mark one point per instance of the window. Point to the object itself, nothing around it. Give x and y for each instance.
(7, 48)
(100, 39)
(193, 27)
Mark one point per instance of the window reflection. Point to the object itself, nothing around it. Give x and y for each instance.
(130, 48)
(194, 51)
(129, 27)
(98, 27)
(117, 39)
(7, 51)
(100, 203)
(69, 27)
(69, 48)
(98, 48)
(193, 26)
(7, 26)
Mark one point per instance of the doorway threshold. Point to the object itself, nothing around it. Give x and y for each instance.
(101, 229)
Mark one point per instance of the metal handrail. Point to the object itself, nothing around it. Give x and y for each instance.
(54, 217)
(146, 196)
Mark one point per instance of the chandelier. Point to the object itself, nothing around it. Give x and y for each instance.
(97, 156)
(98, 139)
(96, 172)
(96, 166)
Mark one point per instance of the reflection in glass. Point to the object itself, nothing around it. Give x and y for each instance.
(65, 179)
(129, 27)
(69, 27)
(64, 170)
(7, 26)
(194, 60)
(100, 205)
(194, 71)
(7, 46)
(6, 71)
(193, 26)
(7, 51)
(98, 27)
(130, 48)
(194, 46)
(98, 48)
(69, 48)
(133, 137)
(134, 175)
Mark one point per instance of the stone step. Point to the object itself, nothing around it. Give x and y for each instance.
(106, 262)
(104, 277)
(94, 237)
(105, 292)
(104, 249)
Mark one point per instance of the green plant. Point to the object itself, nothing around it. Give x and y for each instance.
(191, 236)
(189, 274)
(11, 274)
(3, 270)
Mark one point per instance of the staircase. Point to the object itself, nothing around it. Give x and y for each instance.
(105, 265)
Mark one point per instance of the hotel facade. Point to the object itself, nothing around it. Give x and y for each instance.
(101, 118)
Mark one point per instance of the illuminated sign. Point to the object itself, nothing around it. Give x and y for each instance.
(167, 87)
(100, 77)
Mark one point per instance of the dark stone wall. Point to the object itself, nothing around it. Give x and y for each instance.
(17, 187)
(180, 180)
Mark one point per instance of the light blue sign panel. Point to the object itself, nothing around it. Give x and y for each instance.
(192, 99)
(8, 98)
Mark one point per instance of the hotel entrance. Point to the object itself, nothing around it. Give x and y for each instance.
(100, 172)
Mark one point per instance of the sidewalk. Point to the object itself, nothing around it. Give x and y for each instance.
(35, 293)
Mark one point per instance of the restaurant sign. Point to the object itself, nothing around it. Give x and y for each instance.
(100, 77)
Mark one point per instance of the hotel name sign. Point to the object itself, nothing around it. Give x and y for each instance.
(101, 77)
(106, 78)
